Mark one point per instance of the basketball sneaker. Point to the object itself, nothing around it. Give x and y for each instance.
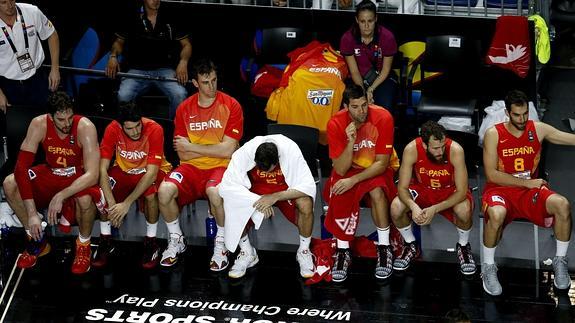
(34, 249)
(384, 266)
(219, 259)
(151, 256)
(342, 260)
(244, 261)
(103, 252)
(176, 246)
(81, 262)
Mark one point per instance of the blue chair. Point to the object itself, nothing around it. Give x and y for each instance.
(85, 55)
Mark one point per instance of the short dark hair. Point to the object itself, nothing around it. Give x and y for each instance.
(432, 128)
(352, 91)
(128, 111)
(266, 156)
(203, 66)
(59, 101)
(515, 97)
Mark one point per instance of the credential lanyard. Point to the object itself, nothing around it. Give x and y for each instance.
(23, 31)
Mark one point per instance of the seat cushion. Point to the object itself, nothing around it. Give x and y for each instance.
(446, 106)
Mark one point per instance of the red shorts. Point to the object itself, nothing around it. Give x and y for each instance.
(520, 203)
(426, 197)
(192, 182)
(123, 184)
(45, 185)
(287, 207)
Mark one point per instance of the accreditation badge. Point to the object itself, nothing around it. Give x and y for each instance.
(25, 62)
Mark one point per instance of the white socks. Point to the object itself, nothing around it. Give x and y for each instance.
(304, 243)
(463, 236)
(83, 239)
(245, 245)
(407, 233)
(220, 233)
(489, 255)
(105, 227)
(341, 244)
(561, 248)
(383, 236)
(174, 227)
(151, 229)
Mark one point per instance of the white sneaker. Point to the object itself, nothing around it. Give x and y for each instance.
(243, 262)
(176, 246)
(219, 259)
(306, 266)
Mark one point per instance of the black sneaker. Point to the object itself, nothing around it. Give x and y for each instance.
(410, 251)
(384, 266)
(151, 257)
(465, 257)
(341, 264)
(103, 252)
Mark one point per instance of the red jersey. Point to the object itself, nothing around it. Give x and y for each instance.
(432, 174)
(132, 156)
(261, 179)
(518, 156)
(207, 126)
(374, 136)
(62, 152)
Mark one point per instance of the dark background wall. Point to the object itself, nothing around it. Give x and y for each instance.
(225, 33)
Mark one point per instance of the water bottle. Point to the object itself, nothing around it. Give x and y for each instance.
(211, 227)
(324, 233)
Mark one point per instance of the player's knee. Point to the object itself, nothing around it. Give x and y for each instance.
(166, 192)
(376, 194)
(561, 207)
(497, 216)
(85, 203)
(151, 198)
(9, 185)
(304, 205)
(397, 209)
(463, 211)
(214, 198)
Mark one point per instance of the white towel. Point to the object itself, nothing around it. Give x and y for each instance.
(235, 185)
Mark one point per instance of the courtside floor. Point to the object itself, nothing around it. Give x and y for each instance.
(270, 292)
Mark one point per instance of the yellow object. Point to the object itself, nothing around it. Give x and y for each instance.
(414, 51)
(542, 44)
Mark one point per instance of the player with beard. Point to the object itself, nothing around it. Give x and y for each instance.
(432, 180)
(360, 140)
(511, 154)
(65, 183)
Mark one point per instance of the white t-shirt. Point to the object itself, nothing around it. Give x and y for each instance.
(38, 28)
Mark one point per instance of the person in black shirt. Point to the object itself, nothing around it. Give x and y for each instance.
(150, 40)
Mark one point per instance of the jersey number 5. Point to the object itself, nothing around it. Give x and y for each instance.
(435, 183)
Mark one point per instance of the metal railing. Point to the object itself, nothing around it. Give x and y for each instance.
(469, 8)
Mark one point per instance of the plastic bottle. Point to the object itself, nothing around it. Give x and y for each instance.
(211, 227)
(324, 233)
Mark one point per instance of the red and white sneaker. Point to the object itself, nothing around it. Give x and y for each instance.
(151, 257)
(219, 259)
(82, 259)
